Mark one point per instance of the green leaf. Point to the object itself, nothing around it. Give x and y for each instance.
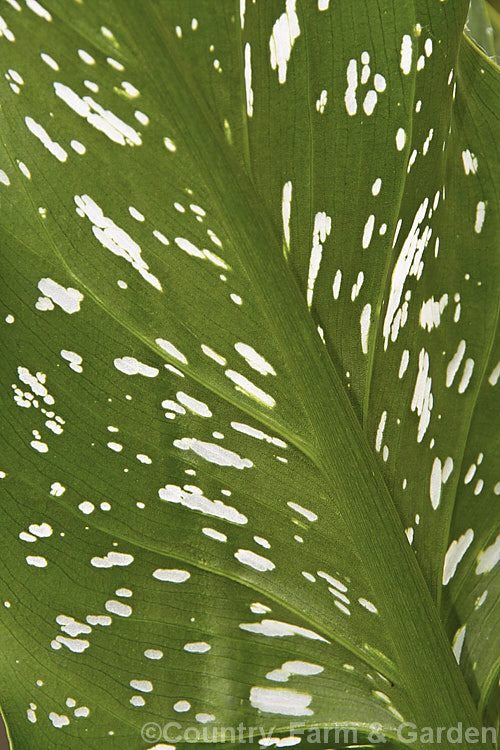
(203, 498)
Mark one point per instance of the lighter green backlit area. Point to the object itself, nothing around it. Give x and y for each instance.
(249, 316)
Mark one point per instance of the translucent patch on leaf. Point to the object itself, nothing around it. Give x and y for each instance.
(278, 629)
(115, 239)
(257, 562)
(290, 668)
(454, 555)
(132, 366)
(285, 702)
(285, 31)
(172, 493)
(67, 299)
(255, 360)
(488, 558)
(250, 389)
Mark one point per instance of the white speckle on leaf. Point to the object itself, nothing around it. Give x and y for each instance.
(488, 558)
(195, 501)
(494, 375)
(435, 483)
(322, 228)
(352, 84)
(285, 31)
(368, 231)
(480, 214)
(115, 239)
(118, 608)
(400, 139)
(67, 299)
(336, 284)
(144, 686)
(35, 6)
(458, 642)
(48, 60)
(454, 555)
(52, 146)
(171, 575)
(254, 359)
(303, 511)
(132, 366)
(281, 701)
(213, 534)
(380, 431)
(370, 102)
(431, 311)
(406, 54)
(278, 629)
(365, 327)
(422, 400)
(36, 561)
(58, 720)
(250, 389)
(195, 406)
(248, 79)
(172, 350)
(286, 202)
(247, 557)
(466, 375)
(470, 162)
